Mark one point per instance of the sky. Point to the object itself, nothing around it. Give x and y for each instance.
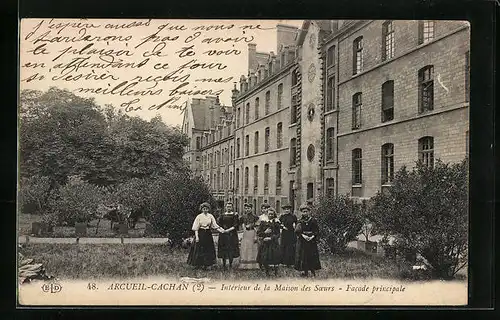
(85, 55)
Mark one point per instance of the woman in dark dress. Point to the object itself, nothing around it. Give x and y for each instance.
(202, 253)
(307, 230)
(269, 251)
(288, 238)
(228, 244)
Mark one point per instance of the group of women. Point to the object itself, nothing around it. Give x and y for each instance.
(268, 241)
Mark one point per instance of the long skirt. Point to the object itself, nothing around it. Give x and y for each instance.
(287, 244)
(249, 250)
(228, 245)
(269, 253)
(202, 253)
(307, 257)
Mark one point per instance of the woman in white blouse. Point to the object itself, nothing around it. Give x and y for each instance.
(202, 253)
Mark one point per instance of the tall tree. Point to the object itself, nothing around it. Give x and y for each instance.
(62, 134)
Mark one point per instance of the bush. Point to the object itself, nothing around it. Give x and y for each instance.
(33, 194)
(175, 203)
(76, 201)
(425, 212)
(340, 222)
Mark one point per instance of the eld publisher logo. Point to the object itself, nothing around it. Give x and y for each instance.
(51, 287)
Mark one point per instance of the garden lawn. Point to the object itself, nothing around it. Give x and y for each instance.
(122, 261)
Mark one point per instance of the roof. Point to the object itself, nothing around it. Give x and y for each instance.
(324, 25)
(200, 108)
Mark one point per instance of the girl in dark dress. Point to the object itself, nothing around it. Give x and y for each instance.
(288, 238)
(307, 230)
(202, 253)
(228, 244)
(269, 250)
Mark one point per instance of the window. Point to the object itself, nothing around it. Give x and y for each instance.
(237, 180)
(231, 154)
(330, 94)
(291, 194)
(293, 110)
(247, 113)
(426, 88)
(282, 59)
(467, 76)
(295, 78)
(280, 96)
(388, 40)
(310, 190)
(357, 55)
(330, 56)
(266, 139)
(426, 151)
(230, 186)
(246, 179)
(198, 143)
(388, 101)
(330, 144)
(257, 102)
(216, 182)
(222, 180)
(387, 163)
(330, 187)
(255, 179)
(357, 166)
(256, 142)
(279, 135)
(356, 110)
(278, 175)
(267, 105)
(293, 152)
(247, 145)
(467, 145)
(238, 153)
(266, 178)
(425, 31)
(238, 116)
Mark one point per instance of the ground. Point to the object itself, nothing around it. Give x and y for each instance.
(66, 261)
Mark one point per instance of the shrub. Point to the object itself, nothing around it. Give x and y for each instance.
(425, 212)
(33, 194)
(340, 222)
(175, 203)
(76, 201)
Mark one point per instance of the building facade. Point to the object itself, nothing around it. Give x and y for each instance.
(337, 109)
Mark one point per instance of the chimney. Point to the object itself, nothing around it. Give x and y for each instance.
(211, 118)
(285, 35)
(235, 93)
(252, 57)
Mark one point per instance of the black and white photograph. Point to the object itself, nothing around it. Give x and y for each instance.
(243, 162)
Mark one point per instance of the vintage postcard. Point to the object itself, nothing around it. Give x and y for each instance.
(243, 162)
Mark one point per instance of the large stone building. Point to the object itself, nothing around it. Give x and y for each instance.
(402, 96)
(338, 108)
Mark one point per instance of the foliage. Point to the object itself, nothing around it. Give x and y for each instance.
(175, 201)
(62, 134)
(369, 227)
(340, 221)
(76, 201)
(425, 212)
(33, 194)
(57, 130)
(28, 271)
